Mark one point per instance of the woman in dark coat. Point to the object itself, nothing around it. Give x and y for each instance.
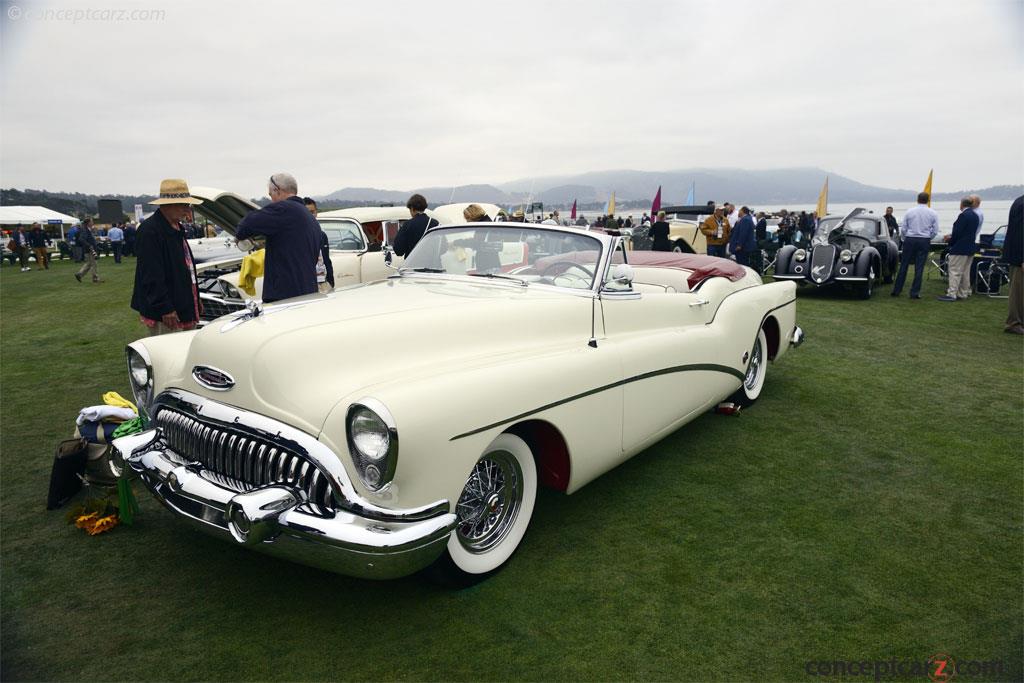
(659, 233)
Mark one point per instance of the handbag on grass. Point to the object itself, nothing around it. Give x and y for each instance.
(67, 472)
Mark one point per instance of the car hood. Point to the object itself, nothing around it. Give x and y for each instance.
(226, 209)
(300, 357)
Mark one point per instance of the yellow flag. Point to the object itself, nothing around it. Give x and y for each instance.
(822, 207)
(611, 206)
(928, 187)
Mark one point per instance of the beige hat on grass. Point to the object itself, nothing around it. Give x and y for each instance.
(175, 191)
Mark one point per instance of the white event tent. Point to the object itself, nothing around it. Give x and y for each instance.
(27, 215)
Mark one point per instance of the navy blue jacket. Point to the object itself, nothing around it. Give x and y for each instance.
(163, 281)
(1013, 247)
(965, 232)
(293, 244)
(742, 236)
(411, 232)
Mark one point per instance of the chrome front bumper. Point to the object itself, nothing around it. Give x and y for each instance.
(274, 519)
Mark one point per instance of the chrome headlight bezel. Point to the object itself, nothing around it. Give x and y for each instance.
(140, 377)
(800, 255)
(846, 256)
(376, 470)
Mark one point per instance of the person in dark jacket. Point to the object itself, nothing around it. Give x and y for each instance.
(890, 220)
(87, 243)
(324, 267)
(293, 240)
(411, 232)
(961, 252)
(659, 234)
(39, 241)
(22, 244)
(474, 213)
(1013, 254)
(166, 295)
(741, 238)
(129, 239)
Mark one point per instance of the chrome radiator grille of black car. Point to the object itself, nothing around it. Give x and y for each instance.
(823, 259)
(240, 461)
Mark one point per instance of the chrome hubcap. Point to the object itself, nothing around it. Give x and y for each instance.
(750, 380)
(489, 502)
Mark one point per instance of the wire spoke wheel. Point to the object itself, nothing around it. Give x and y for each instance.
(489, 502)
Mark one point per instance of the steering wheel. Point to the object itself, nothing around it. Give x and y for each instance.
(568, 265)
(570, 276)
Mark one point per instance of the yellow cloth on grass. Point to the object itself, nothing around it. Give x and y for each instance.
(252, 268)
(112, 398)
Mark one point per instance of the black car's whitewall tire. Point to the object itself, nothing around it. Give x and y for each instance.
(756, 370)
(494, 512)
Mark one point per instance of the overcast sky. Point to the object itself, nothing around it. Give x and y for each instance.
(401, 95)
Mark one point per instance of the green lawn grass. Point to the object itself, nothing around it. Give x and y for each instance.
(868, 507)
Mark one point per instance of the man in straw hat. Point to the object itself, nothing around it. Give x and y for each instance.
(166, 295)
(293, 240)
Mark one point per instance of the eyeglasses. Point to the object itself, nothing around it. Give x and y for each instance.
(276, 186)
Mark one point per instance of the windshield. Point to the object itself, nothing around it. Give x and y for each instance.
(343, 235)
(864, 227)
(532, 255)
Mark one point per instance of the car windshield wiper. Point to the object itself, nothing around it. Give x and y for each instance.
(421, 270)
(500, 276)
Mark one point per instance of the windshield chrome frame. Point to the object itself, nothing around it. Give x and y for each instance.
(602, 263)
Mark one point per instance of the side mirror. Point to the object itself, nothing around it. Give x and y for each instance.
(388, 255)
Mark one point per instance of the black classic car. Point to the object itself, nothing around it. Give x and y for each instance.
(853, 250)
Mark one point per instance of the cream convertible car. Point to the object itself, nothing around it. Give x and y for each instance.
(504, 357)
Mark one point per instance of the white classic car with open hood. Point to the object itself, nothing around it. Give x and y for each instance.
(406, 423)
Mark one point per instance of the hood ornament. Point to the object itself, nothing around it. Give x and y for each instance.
(212, 378)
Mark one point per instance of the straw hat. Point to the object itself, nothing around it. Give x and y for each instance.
(175, 191)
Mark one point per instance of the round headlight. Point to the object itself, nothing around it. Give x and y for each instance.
(846, 255)
(370, 435)
(138, 369)
(800, 254)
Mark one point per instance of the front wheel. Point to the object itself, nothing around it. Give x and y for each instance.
(753, 378)
(868, 288)
(494, 511)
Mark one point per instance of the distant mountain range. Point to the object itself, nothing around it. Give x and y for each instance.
(637, 188)
(633, 190)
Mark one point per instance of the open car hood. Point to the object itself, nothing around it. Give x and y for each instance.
(226, 209)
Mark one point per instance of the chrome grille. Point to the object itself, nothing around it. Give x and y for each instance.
(240, 461)
(823, 259)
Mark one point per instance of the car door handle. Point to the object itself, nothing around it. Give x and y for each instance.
(699, 302)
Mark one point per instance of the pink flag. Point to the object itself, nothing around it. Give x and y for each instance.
(573, 214)
(656, 205)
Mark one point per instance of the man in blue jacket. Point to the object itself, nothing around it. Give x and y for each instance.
(961, 252)
(293, 240)
(741, 240)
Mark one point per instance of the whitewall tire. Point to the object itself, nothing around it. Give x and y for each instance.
(494, 511)
(756, 370)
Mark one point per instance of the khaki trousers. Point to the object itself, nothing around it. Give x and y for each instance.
(1015, 318)
(959, 268)
(42, 258)
(159, 329)
(90, 264)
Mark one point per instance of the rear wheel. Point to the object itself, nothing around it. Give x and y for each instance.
(494, 512)
(753, 378)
